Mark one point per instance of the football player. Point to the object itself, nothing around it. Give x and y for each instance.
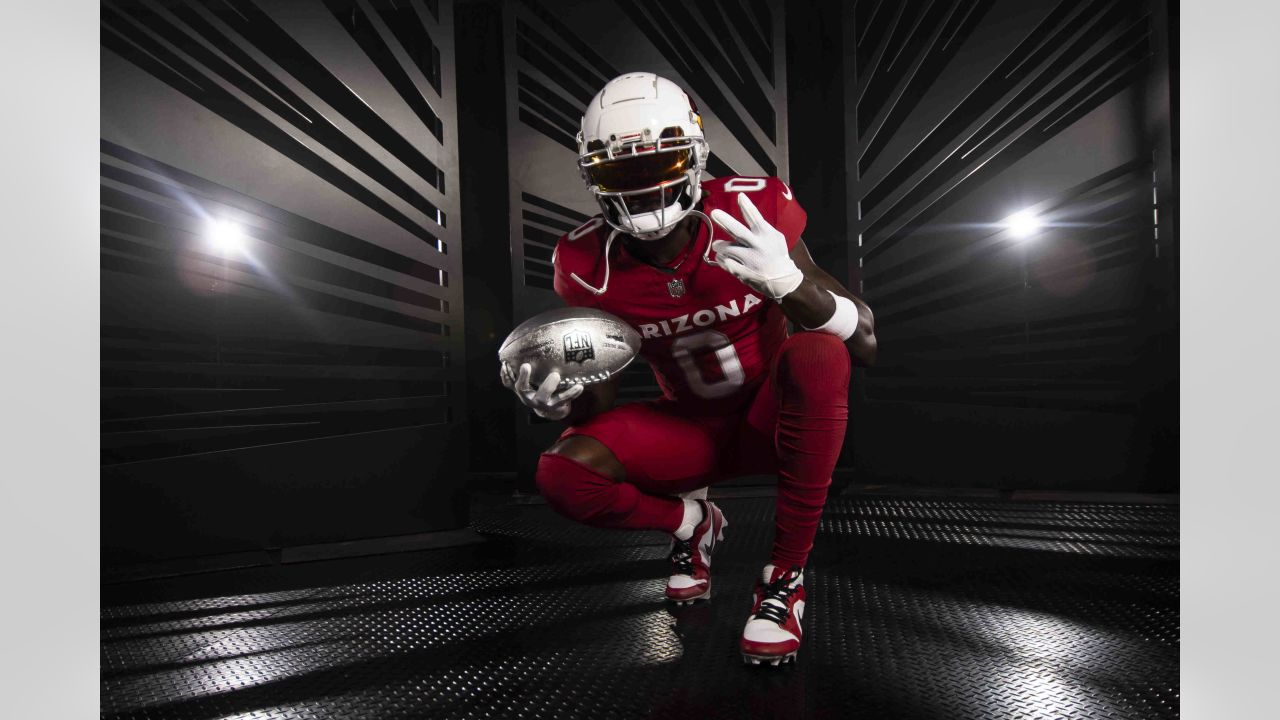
(708, 273)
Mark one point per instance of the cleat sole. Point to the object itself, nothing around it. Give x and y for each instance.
(689, 601)
(773, 660)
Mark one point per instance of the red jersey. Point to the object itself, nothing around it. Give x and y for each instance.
(708, 337)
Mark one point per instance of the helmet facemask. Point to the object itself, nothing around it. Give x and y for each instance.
(645, 187)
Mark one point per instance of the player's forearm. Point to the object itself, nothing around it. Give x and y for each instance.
(593, 401)
(862, 344)
(811, 305)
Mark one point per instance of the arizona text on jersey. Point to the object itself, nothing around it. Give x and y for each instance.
(711, 343)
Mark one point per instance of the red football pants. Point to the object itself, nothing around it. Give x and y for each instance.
(794, 426)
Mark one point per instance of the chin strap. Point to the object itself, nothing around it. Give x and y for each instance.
(608, 243)
(711, 232)
(600, 290)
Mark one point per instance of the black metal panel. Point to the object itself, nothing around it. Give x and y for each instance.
(960, 114)
(306, 388)
(917, 608)
(482, 148)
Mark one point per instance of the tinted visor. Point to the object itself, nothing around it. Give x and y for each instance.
(636, 172)
(653, 201)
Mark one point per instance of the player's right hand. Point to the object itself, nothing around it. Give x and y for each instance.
(544, 401)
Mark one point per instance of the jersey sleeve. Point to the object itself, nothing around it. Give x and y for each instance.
(560, 278)
(789, 217)
(571, 292)
(772, 197)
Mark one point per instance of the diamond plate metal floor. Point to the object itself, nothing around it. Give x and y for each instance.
(919, 608)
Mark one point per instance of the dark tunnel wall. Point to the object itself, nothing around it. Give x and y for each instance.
(308, 389)
(1045, 362)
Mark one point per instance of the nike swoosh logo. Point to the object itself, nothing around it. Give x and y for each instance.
(786, 191)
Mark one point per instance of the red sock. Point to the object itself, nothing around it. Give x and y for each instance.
(812, 375)
(582, 494)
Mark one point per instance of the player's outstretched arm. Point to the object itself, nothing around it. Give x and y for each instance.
(809, 297)
(811, 305)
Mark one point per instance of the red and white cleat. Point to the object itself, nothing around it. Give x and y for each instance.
(691, 559)
(772, 634)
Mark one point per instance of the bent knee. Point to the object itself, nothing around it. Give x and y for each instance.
(572, 478)
(815, 359)
(591, 454)
(813, 342)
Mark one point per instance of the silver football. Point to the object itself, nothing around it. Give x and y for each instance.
(584, 345)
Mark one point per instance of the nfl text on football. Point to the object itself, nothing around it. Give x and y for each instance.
(584, 345)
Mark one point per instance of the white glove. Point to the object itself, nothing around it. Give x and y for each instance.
(544, 401)
(758, 254)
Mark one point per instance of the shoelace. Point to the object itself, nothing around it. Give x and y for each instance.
(776, 595)
(682, 557)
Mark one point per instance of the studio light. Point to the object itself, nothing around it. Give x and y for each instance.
(1023, 224)
(226, 236)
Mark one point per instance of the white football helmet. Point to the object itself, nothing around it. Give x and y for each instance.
(642, 151)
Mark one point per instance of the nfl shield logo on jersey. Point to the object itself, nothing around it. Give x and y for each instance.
(577, 347)
(676, 288)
